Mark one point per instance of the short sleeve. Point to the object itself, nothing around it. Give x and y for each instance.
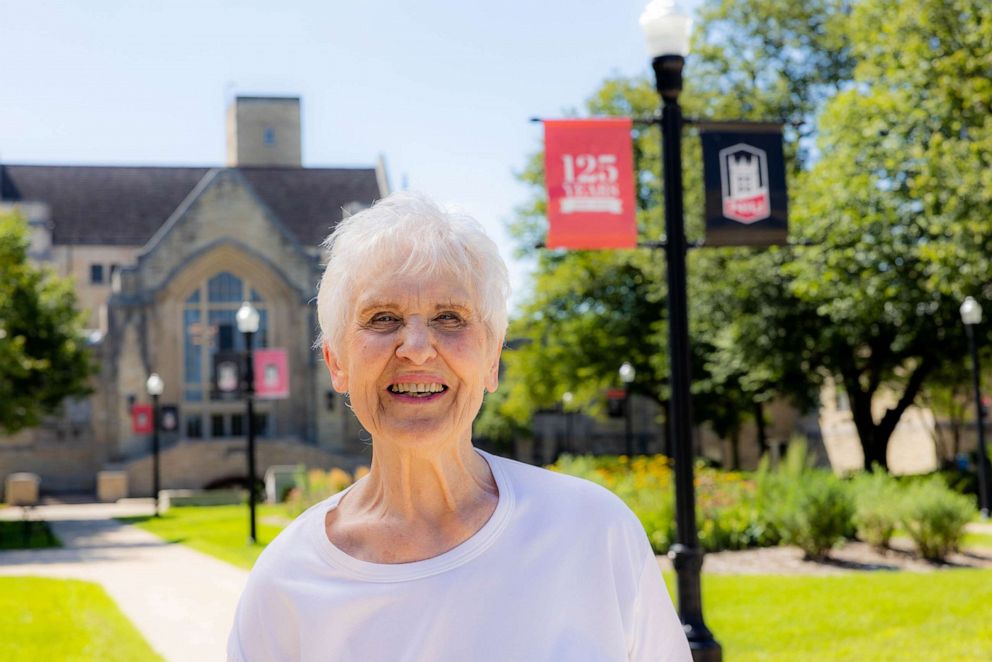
(265, 625)
(657, 634)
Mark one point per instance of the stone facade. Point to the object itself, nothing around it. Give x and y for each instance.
(160, 275)
(264, 131)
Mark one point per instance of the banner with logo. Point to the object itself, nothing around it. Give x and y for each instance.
(744, 172)
(271, 374)
(142, 419)
(168, 418)
(227, 375)
(589, 174)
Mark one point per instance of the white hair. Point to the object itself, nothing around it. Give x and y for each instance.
(411, 235)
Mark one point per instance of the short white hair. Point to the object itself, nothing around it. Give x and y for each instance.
(410, 234)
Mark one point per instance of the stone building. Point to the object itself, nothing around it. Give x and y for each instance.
(162, 257)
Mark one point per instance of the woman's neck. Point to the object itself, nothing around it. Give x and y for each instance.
(425, 485)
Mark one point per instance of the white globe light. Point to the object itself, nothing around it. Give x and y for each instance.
(627, 373)
(666, 29)
(247, 318)
(971, 312)
(154, 385)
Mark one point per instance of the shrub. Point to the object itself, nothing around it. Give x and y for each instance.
(807, 507)
(935, 517)
(316, 485)
(877, 502)
(729, 513)
(816, 514)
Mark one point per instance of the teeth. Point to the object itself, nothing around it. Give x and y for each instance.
(416, 388)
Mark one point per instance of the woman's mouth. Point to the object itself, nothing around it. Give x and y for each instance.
(420, 391)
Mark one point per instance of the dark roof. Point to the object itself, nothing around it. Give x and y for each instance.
(126, 205)
(309, 201)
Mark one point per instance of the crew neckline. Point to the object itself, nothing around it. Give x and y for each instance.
(462, 553)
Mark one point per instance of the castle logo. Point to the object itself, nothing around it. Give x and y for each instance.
(744, 183)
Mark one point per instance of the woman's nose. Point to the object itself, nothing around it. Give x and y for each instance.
(416, 342)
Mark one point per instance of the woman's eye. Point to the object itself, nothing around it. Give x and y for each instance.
(383, 319)
(449, 318)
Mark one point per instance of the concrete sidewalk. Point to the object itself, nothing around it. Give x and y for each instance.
(182, 601)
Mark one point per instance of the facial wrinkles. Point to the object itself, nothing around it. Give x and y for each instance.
(406, 326)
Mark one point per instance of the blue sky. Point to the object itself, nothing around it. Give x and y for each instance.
(442, 88)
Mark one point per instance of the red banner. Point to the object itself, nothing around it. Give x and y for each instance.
(271, 374)
(589, 174)
(142, 419)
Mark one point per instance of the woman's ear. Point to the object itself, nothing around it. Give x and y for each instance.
(339, 376)
(492, 376)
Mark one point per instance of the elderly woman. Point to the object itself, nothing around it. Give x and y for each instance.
(443, 552)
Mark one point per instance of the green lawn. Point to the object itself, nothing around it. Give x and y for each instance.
(12, 535)
(943, 615)
(977, 540)
(64, 619)
(220, 531)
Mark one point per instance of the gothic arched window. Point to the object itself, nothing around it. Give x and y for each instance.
(209, 327)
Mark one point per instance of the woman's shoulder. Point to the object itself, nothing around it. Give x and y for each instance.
(567, 495)
(295, 546)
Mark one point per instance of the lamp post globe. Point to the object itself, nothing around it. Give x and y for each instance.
(971, 311)
(667, 31)
(154, 385)
(627, 373)
(248, 320)
(971, 315)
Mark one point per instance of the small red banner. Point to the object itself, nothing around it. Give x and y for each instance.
(141, 419)
(589, 174)
(271, 374)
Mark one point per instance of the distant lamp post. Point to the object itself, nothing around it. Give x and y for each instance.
(627, 375)
(566, 400)
(666, 31)
(971, 315)
(154, 385)
(248, 320)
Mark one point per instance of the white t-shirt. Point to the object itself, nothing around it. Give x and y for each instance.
(561, 572)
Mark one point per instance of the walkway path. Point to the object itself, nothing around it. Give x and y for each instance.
(182, 601)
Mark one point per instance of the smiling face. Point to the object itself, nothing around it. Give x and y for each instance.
(415, 359)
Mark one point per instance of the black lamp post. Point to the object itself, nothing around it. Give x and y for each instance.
(155, 386)
(971, 314)
(566, 400)
(248, 319)
(627, 374)
(667, 34)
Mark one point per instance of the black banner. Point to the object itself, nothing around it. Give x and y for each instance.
(168, 418)
(227, 375)
(744, 172)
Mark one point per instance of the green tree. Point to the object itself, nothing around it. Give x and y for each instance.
(43, 359)
(892, 199)
(592, 311)
(897, 205)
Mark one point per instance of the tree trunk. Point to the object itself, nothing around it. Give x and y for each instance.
(875, 437)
